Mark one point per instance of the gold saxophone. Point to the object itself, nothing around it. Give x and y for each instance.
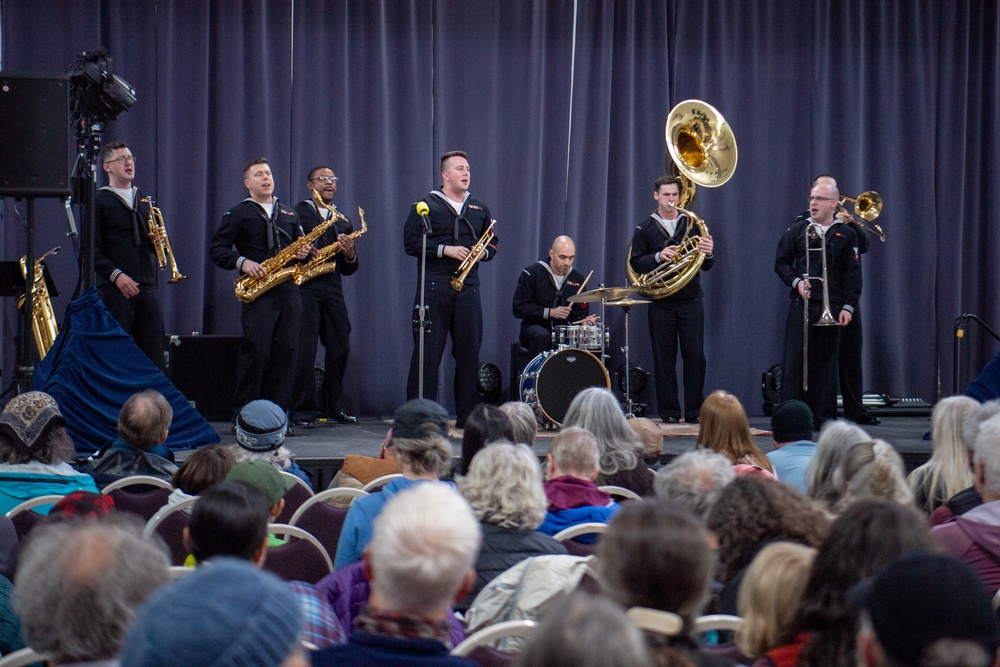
(43, 318)
(248, 288)
(475, 254)
(318, 264)
(161, 243)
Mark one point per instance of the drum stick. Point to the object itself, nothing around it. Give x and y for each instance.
(584, 283)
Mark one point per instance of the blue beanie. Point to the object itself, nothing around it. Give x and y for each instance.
(226, 613)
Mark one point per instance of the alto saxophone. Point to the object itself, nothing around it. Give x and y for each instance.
(475, 254)
(43, 317)
(248, 288)
(161, 242)
(318, 264)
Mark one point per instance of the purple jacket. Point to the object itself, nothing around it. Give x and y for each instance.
(974, 538)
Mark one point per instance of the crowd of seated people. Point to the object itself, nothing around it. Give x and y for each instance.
(825, 550)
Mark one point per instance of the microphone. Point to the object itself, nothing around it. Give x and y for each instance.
(68, 202)
(422, 211)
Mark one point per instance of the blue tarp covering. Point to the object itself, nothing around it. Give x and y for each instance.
(94, 366)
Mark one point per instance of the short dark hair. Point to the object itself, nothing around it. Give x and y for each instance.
(144, 419)
(253, 163)
(450, 154)
(229, 519)
(110, 148)
(312, 172)
(205, 467)
(667, 180)
(485, 424)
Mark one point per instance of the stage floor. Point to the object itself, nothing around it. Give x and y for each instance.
(321, 449)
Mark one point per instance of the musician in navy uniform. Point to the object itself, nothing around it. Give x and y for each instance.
(457, 221)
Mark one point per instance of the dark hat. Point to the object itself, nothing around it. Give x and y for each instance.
(411, 415)
(28, 416)
(264, 476)
(261, 426)
(923, 597)
(81, 505)
(791, 421)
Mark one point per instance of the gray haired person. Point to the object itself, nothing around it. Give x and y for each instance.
(694, 480)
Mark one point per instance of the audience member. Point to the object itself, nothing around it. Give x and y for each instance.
(974, 537)
(791, 426)
(651, 438)
(81, 505)
(485, 424)
(504, 488)
(143, 426)
(35, 450)
(835, 438)
(419, 561)
(925, 609)
(769, 604)
(261, 427)
(947, 472)
(585, 630)
(227, 615)
(10, 626)
(522, 420)
(868, 536)
(206, 466)
(657, 556)
(265, 477)
(358, 470)
(694, 480)
(872, 469)
(597, 410)
(573, 498)
(750, 513)
(420, 445)
(725, 429)
(968, 498)
(80, 584)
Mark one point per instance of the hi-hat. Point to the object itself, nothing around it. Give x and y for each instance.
(628, 302)
(602, 294)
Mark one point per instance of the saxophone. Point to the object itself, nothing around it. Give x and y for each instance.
(43, 318)
(475, 254)
(248, 288)
(317, 265)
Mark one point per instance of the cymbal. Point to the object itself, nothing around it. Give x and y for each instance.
(605, 293)
(628, 302)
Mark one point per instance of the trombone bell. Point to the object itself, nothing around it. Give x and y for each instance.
(867, 206)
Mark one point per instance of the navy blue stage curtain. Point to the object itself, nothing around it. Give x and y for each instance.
(94, 367)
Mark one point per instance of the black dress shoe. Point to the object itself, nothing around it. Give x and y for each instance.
(690, 420)
(866, 418)
(303, 423)
(345, 418)
(670, 420)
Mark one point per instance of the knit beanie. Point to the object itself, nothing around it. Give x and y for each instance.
(792, 421)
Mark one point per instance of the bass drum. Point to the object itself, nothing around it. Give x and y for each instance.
(552, 380)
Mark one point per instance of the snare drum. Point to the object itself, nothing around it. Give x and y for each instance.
(583, 336)
(552, 380)
(565, 335)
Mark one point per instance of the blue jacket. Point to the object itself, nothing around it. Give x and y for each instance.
(791, 462)
(557, 520)
(20, 482)
(371, 650)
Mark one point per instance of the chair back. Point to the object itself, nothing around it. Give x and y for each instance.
(137, 480)
(170, 523)
(716, 622)
(294, 498)
(574, 548)
(22, 658)
(25, 518)
(620, 492)
(145, 504)
(379, 482)
(323, 521)
(489, 634)
(302, 558)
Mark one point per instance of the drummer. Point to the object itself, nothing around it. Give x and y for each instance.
(540, 298)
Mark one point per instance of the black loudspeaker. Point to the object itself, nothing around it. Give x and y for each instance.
(34, 136)
(204, 369)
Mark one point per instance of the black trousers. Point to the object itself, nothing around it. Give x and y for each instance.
(535, 338)
(324, 320)
(824, 344)
(851, 380)
(140, 317)
(268, 357)
(673, 323)
(455, 314)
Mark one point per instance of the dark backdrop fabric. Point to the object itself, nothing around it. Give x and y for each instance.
(561, 106)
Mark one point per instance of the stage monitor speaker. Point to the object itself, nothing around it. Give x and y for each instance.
(34, 136)
(204, 369)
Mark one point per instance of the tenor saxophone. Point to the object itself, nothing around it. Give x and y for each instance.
(318, 264)
(43, 317)
(475, 254)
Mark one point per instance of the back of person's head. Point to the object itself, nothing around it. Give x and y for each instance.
(80, 583)
(585, 630)
(987, 454)
(651, 438)
(228, 614)
(574, 452)
(265, 477)
(975, 417)
(229, 519)
(420, 438)
(425, 542)
(694, 480)
(657, 556)
(835, 438)
(751, 511)
(926, 609)
(522, 421)
(80, 505)
(873, 469)
(724, 428)
(868, 536)
(145, 419)
(485, 424)
(597, 410)
(33, 429)
(504, 486)
(769, 597)
(792, 421)
(947, 471)
(206, 466)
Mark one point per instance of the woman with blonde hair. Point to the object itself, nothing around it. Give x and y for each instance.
(872, 469)
(725, 429)
(769, 604)
(947, 472)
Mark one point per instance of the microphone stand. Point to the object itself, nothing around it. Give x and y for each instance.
(422, 322)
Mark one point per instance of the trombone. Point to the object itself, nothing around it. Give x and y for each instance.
(814, 231)
(867, 206)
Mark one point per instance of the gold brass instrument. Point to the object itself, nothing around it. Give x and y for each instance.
(814, 231)
(318, 264)
(703, 151)
(43, 318)
(475, 254)
(161, 243)
(248, 288)
(867, 206)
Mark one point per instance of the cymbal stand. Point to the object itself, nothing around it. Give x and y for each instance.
(628, 387)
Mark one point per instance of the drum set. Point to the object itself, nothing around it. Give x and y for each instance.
(577, 360)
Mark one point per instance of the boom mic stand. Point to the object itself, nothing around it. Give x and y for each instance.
(420, 310)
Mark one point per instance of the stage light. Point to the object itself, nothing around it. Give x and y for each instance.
(490, 382)
(98, 95)
(638, 380)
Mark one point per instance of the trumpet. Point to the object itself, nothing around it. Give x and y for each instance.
(475, 254)
(161, 243)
